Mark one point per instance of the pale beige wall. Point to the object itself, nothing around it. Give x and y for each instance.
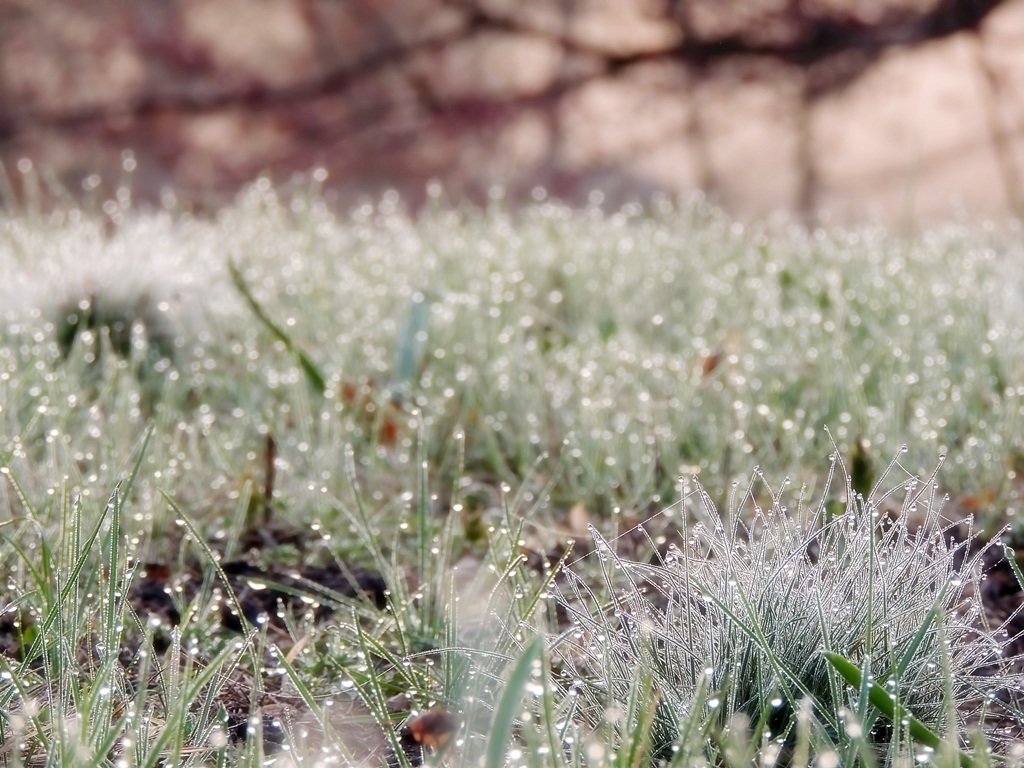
(900, 108)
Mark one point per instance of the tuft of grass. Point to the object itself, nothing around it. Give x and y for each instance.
(867, 627)
(87, 684)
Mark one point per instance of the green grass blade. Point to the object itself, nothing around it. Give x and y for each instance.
(313, 374)
(1011, 558)
(882, 701)
(373, 696)
(411, 344)
(331, 736)
(215, 562)
(99, 703)
(130, 482)
(919, 636)
(508, 704)
(643, 705)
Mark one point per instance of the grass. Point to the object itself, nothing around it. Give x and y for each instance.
(287, 486)
(798, 613)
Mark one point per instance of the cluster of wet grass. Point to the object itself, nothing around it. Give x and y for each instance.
(308, 475)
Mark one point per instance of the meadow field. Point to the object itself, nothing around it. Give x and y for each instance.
(475, 487)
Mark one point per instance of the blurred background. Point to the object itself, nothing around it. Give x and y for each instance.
(909, 110)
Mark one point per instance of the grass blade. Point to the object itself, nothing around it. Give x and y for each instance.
(882, 701)
(411, 344)
(505, 713)
(314, 376)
